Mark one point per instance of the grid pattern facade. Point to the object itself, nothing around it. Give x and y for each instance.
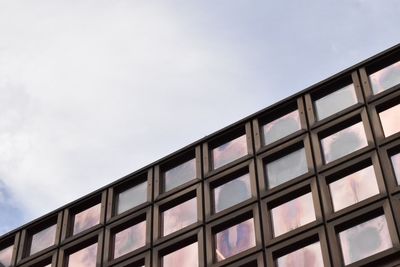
(313, 180)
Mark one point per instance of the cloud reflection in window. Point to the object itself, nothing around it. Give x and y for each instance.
(179, 216)
(43, 239)
(390, 120)
(395, 159)
(84, 258)
(130, 239)
(229, 151)
(385, 78)
(281, 127)
(180, 174)
(309, 256)
(186, 256)
(132, 197)
(87, 218)
(6, 256)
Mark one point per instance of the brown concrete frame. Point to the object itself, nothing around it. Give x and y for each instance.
(48, 258)
(347, 168)
(278, 152)
(26, 237)
(128, 183)
(178, 243)
(362, 215)
(116, 227)
(329, 88)
(136, 261)
(160, 169)
(173, 201)
(298, 242)
(69, 213)
(229, 221)
(11, 240)
(276, 113)
(386, 152)
(257, 259)
(287, 195)
(221, 139)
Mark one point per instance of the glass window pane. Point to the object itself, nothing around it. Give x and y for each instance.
(344, 142)
(6, 256)
(281, 127)
(390, 120)
(277, 171)
(335, 102)
(179, 216)
(180, 174)
(229, 151)
(187, 256)
(365, 239)
(132, 197)
(43, 239)
(385, 78)
(353, 188)
(130, 239)
(309, 256)
(84, 258)
(235, 239)
(232, 193)
(87, 218)
(396, 166)
(293, 214)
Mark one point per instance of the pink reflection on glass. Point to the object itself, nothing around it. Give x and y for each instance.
(229, 151)
(385, 78)
(84, 258)
(235, 239)
(132, 197)
(390, 120)
(130, 239)
(309, 256)
(353, 188)
(281, 127)
(6, 256)
(87, 218)
(232, 193)
(365, 239)
(43, 239)
(179, 216)
(293, 214)
(396, 166)
(344, 142)
(186, 256)
(180, 174)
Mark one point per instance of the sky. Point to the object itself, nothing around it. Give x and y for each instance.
(93, 90)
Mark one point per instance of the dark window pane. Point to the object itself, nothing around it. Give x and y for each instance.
(335, 102)
(235, 239)
(132, 197)
(179, 216)
(6, 256)
(87, 218)
(130, 239)
(309, 256)
(396, 166)
(179, 174)
(293, 214)
(385, 78)
(84, 258)
(187, 256)
(353, 188)
(281, 127)
(229, 151)
(344, 142)
(390, 120)
(286, 168)
(365, 239)
(43, 239)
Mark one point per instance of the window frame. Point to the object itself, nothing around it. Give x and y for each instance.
(139, 260)
(259, 258)
(48, 258)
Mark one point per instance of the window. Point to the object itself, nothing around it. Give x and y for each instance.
(186, 256)
(390, 120)
(6, 256)
(86, 257)
(179, 216)
(229, 151)
(395, 159)
(87, 219)
(131, 197)
(129, 239)
(179, 175)
(43, 239)
(385, 78)
(281, 127)
(308, 256)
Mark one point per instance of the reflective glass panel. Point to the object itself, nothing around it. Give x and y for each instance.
(390, 120)
(385, 78)
(87, 218)
(365, 239)
(344, 142)
(335, 102)
(232, 193)
(6, 256)
(43, 239)
(309, 256)
(235, 239)
(229, 151)
(180, 174)
(353, 188)
(84, 258)
(130, 239)
(293, 214)
(179, 216)
(132, 197)
(281, 127)
(186, 256)
(286, 168)
(396, 166)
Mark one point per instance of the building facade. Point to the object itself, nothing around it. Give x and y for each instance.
(311, 181)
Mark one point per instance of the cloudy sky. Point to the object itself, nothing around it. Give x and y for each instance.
(93, 90)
